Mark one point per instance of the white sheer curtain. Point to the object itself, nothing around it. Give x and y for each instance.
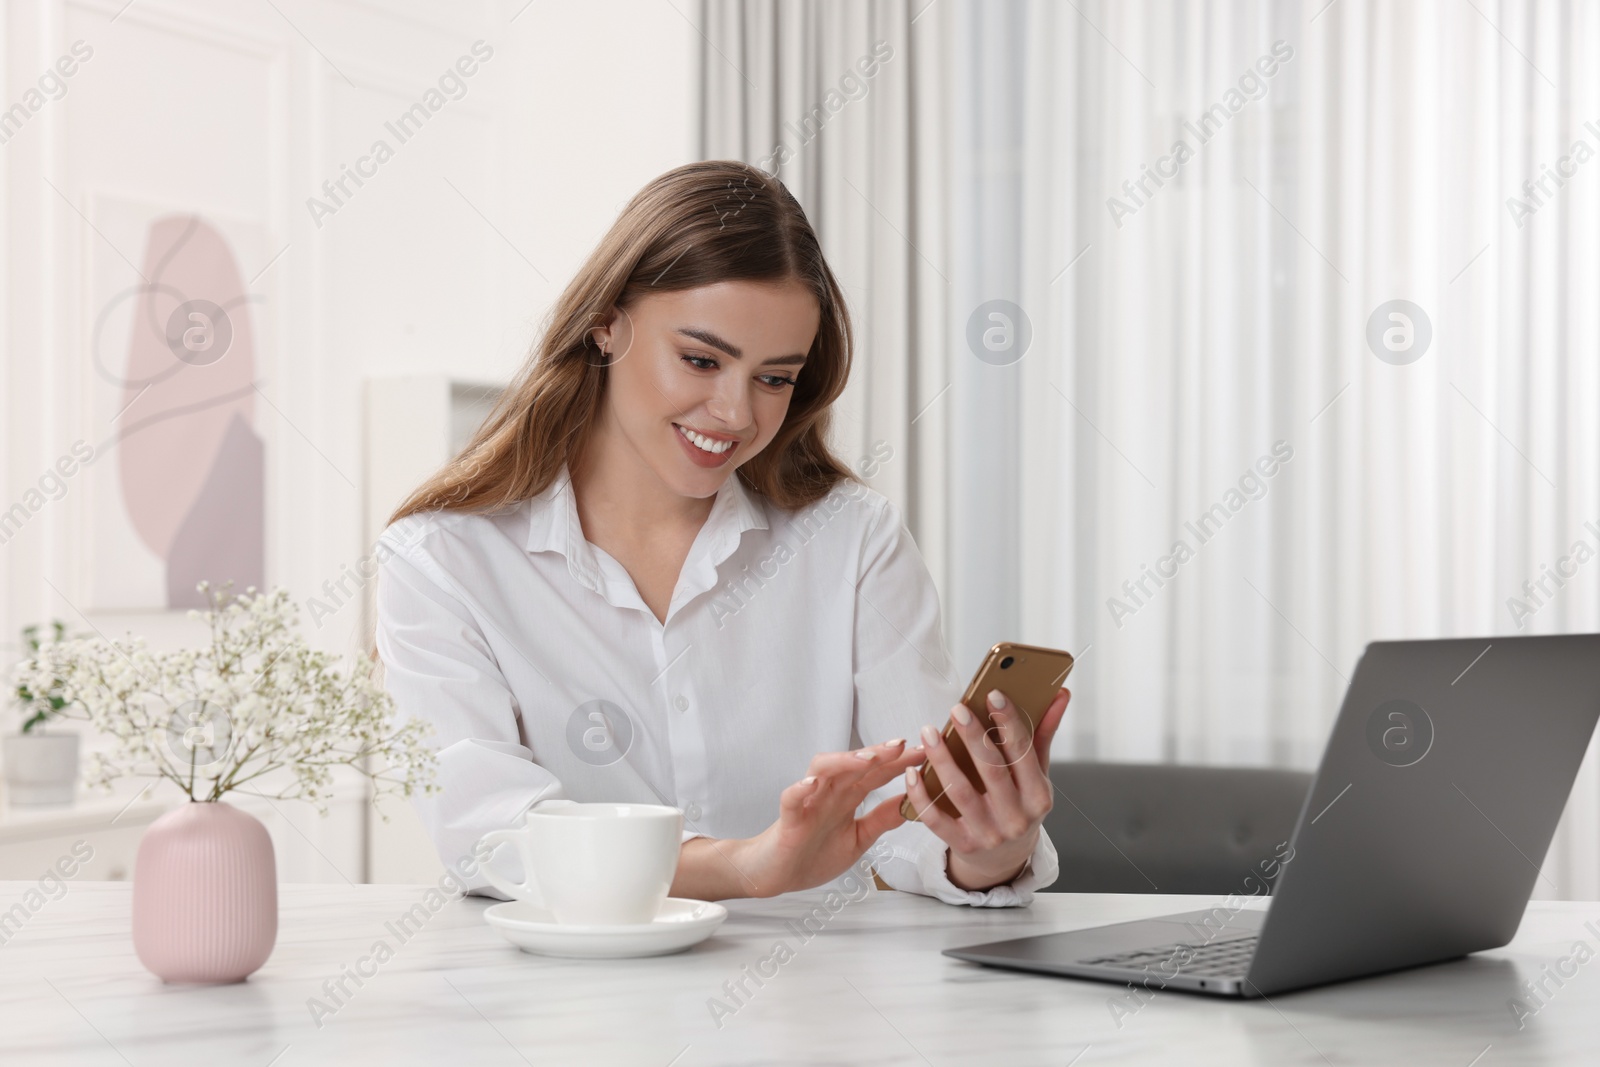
(845, 101)
(1229, 310)
(1182, 331)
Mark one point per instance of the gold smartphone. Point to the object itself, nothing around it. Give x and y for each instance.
(1030, 677)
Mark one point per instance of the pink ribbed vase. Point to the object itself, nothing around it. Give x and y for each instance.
(205, 895)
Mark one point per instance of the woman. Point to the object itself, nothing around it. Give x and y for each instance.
(648, 579)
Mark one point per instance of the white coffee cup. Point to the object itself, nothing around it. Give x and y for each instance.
(593, 864)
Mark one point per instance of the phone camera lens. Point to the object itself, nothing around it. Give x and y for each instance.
(1006, 663)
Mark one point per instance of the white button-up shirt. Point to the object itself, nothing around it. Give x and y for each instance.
(545, 674)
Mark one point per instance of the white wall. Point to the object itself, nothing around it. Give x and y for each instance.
(443, 262)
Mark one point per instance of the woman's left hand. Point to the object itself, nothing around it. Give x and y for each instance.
(998, 829)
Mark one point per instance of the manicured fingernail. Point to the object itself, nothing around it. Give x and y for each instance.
(961, 714)
(866, 753)
(997, 699)
(896, 743)
(809, 779)
(930, 737)
(911, 779)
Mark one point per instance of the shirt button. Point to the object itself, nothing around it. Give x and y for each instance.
(681, 702)
(692, 812)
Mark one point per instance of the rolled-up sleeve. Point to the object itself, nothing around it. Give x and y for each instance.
(438, 667)
(904, 679)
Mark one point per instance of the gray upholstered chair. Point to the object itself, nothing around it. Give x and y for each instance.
(1160, 828)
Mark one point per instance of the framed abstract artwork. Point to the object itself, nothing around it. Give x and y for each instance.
(178, 480)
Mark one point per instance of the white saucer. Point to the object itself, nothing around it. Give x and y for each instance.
(679, 924)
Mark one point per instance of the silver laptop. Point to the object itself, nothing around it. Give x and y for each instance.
(1420, 840)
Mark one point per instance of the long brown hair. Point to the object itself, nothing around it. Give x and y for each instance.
(701, 223)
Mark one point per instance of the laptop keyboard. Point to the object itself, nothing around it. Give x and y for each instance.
(1215, 959)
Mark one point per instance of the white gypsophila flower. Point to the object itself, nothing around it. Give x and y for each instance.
(256, 705)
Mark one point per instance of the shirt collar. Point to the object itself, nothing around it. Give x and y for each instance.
(554, 526)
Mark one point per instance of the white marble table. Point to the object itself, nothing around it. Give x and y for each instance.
(870, 988)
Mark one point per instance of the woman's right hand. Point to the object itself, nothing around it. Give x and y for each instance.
(817, 836)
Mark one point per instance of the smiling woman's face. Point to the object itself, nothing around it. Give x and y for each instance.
(700, 379)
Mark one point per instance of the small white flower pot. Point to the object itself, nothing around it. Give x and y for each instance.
(41, 769)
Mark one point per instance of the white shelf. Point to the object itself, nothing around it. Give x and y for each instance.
(32, 840)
